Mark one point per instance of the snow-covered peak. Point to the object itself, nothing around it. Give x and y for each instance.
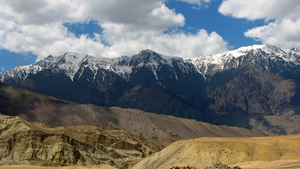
(252, 47)
(71, 58)
(221, 58)
(149, 58)
(243, 50)
(259, 54)
(267, 48)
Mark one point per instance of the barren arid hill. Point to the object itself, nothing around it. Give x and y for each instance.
(167, 129)
(70, 167)
(33, 143)
(202, 152)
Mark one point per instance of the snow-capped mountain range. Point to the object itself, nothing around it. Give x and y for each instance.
(70, 63)
(266, 56)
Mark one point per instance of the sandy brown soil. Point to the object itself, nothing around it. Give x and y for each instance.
(72, 167)
(278, 164)
(260, 152)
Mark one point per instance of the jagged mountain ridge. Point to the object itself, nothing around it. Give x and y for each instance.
(267, 56)
(285, 62)
(71, 63)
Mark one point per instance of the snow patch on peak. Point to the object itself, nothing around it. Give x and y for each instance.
(244, 50)
(19, 73)
(221, 58)
(151, 58)
(257, 54)
(71, 58)
(249, 48)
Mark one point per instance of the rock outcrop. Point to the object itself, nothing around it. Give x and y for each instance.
(219, 165)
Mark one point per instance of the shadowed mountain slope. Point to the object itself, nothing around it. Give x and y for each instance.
(160, 128)
(257, 96)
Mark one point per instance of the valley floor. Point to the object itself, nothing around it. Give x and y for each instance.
(278, 164)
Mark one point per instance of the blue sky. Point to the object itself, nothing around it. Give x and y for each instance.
(33, 29)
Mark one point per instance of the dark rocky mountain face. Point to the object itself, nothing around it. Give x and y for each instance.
(255, 94)
(249, 92)
(103, 89)
(147, 81)
(254, 82)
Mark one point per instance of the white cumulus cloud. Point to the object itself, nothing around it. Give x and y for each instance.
(282, 19)
(284, 33)
(260, 9)
(128, 26)
(176, 43)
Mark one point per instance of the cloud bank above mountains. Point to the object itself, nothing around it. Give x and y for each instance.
(128, 26)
